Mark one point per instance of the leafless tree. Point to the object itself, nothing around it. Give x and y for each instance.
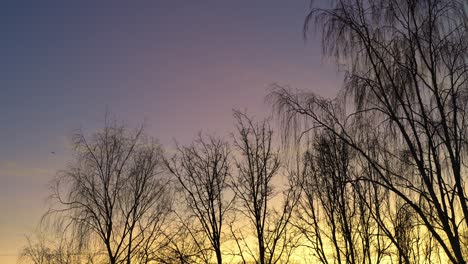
(257, 165)
(113, 194)
(329, 200)
(47, 248)
(39, 252)
(186, 244)
(202, 170)
(406, 75)
(334, 214)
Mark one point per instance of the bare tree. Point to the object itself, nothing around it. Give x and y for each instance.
(330, 201)
(48, 248)
(202, 169)
(113, 194)
(186, 244)
(41, 252)
(257, 164)
(406, 73)
(340, 216)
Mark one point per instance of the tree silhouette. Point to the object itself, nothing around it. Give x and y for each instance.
(114, 194)
(257, 164)
(202, 170)
(406, 78)
(45, 248)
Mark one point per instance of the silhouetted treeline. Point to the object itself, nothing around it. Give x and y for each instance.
(376, 175)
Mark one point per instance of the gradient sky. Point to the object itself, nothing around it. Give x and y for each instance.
(180, 66)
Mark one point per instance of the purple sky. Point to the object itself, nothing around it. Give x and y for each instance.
(180, 66)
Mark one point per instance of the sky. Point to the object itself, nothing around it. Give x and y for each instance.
(178, 66)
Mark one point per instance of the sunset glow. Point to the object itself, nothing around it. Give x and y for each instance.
(267, 132)
(178, 66)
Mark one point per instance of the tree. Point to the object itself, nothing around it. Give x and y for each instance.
(257, 165)
(40, 250)
(342, 218)
(329, 204)
(185, 244)
(114, 194)
(406, 75)
(202, 170)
